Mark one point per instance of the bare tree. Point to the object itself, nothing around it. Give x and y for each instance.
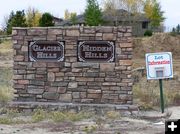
(32, 17)
(4, 23)
(132, 8)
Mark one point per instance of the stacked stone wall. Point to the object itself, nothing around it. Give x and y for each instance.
(69, 80)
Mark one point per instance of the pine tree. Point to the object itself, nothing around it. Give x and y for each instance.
(93, 14)
(173, 30)
(178, 29)
(73, 18)
(16, 20)
(46, 20)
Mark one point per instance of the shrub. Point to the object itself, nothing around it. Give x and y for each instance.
(77, 116)
(39, 115)
(113, 115)
(148, 33)
(5, 120)
(57, 116)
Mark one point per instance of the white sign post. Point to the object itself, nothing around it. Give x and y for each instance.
(159, 66)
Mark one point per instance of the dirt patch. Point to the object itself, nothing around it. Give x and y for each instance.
(163, 42)
(125, 125)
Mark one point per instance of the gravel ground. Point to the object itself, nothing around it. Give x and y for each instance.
(124, 125)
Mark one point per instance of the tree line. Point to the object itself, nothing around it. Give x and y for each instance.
(32, 18)
(176, 30)
(149, 8)
(93, 14)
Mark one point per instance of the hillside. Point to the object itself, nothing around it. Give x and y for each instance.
(157, 43)
(146, 93)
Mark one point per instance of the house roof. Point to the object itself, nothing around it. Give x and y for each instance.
(57, 19)
(121, 15)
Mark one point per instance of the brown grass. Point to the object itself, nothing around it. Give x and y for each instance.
(147, 93)
(6, 48)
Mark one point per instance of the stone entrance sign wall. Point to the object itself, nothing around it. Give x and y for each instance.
(66, 78)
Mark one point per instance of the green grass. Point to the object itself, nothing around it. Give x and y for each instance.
(58, 116)
(39, 115)
(113, 115)
(9, 116)
(5, 120)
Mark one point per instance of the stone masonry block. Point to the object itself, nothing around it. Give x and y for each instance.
(107, 66)
(125, 45)
(72, 32)
(18, 77)
(19, 58)
(76, 95)
(109, 36)
(104, 29)
(61, 90)
(51, 95)
(24, 49)
(94, 96)
(35, 90)
(14, 32)
(37, 31)
(125, 62)
(109, 84)
(92, 91)
(51, 76)
(84, 79)
(83, 65)
(23, 82)
(53, 31)
(51, 89)
(59, 84)
(65, 97)
(59, 74)
(37, 82)
(39, 64)
(72, 85)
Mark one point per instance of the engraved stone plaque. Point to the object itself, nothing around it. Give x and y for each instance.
(96, 51)
(46, 51)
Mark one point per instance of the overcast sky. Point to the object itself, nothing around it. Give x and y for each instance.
(57, 7)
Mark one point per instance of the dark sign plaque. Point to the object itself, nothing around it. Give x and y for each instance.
(46, 51)
(96, 51)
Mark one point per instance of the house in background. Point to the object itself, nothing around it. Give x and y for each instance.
(57, 21)
(139, 23)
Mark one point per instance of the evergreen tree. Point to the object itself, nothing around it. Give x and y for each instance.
(46, 20)
(173, 30)
(73, 18)
(178, 29)
(93, 14)
(15, 20)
